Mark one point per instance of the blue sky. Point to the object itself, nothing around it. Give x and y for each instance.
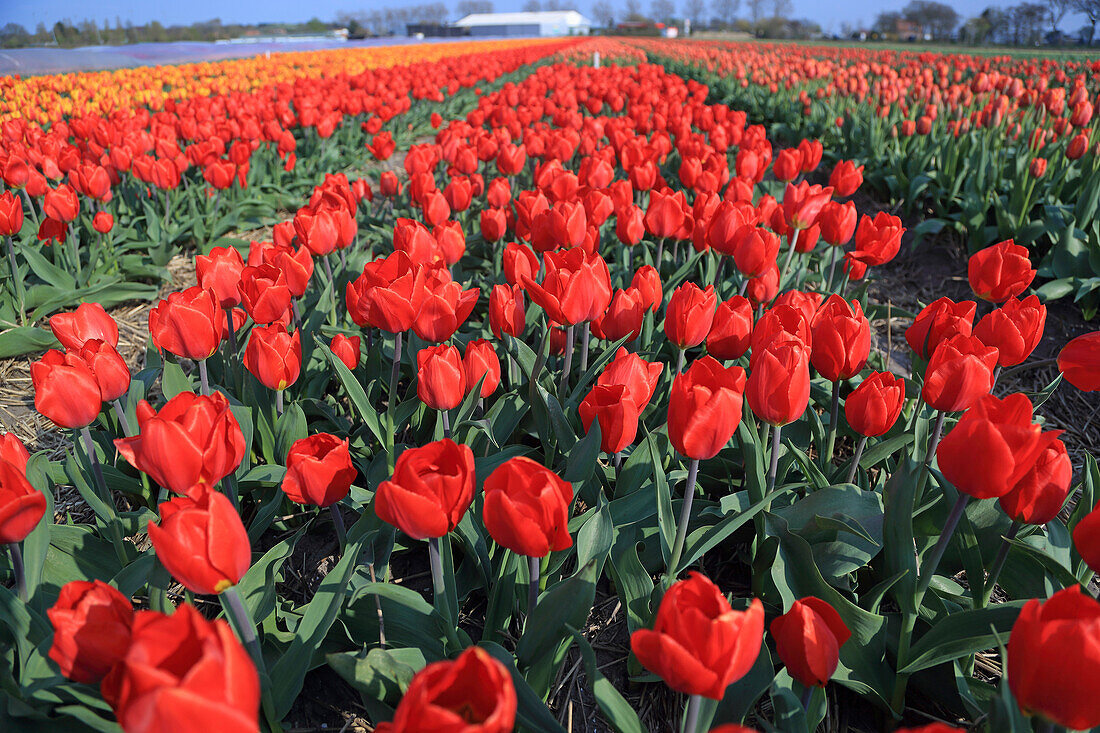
(30, 12)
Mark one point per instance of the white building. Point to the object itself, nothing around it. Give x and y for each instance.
(543, 23)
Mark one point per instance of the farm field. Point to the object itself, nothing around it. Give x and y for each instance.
(552, 385)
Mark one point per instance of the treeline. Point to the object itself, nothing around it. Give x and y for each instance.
(67, 34)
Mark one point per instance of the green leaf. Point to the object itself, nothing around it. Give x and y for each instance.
(595, 537)
(25, 340)
(290, 427)
(961, 634)
(355, 392)
(257, 587)
(532, 715)
(382, 674)
(566, 603)
(581, 461)
(173, 381)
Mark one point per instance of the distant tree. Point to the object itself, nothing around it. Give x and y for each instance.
(633, 9)
(603, 13)
(1091, 10)
(933, 18)
(725, 11)
(532, 6)
(781, 8)
(1056, 10)
(469, 7)
(693, 10)
(756, 11)
(886, 23)
(662, 10)
(555, 5)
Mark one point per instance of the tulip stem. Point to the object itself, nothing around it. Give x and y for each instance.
(278, 402)
(999, 563)
(17, 282)
(832, 266)
(533, 586)
(691, 715)
(17, 570)
(585, 337)
(807, 698)
(240, 618)
(680, 362)
(446, 423)
(123, 421)
(790, 255)
(569, 343)
(685, 517)
(395, 370)
(925, 574)
(232, 331)
(922, 479)
(338, 523)
(855, 459)
(439, 585)
(204, 377)
(105, 496)
(834, 415)
(773, 464)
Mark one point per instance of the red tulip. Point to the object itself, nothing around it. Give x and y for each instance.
(274, 356)
(841, 339)
(699, 645)
(517, 261)
(527, 508)
(65, 390)
(189, 324)
(91, 629)
(21, 505)
(846, 178)
(808, 639)
(1079, 362)
(838, 223)
(202, 542)
(704, 408)
(507, 310)
(103, 222)
(319, 470)
(89, 321)
(617, 415)
(731, 331)
(690, 314)
(877, 240)
(778, 387)
(109, 368)
(647, 281)
(441, 305)
(638, 376)
(440, 377)
(1040, 493)
(959, 372)
(11, 214)
(265, 293)
(1000, 272)
(665, 215)
(939, 321)
(384, 295)
(220, 271)
(183, 673)
(61, 204)
(576, 288)
(1015, 329)
(1053, 655)
(874, 406)
(787, 164)
(13, 451)
(430, 490)
(803, 203)
(194, 440)
(480, 359)
(623, 318)
(472, 694)
(992, 447)
(347, 349)
(755, 251)
(494, 224)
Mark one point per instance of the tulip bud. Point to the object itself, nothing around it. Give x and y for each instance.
(808, 639)
(527, 508)
(430, 490)
(319, 470)
(91, 629)
(202, 542)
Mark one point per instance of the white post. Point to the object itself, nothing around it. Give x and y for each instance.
(596, 59)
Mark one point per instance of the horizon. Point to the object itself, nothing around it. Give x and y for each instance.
(860, 14)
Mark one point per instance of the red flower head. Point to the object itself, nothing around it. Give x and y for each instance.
(480, 359)
(527, 508)
(109, 368)
(1015, 328)
(731, 331)
(959, 372)
(193, 440)
(274, 356)
(576, 288)
(1039, 495)
(91, 629)
(690, 314)
(938, 322)
(616, 414)
(841, 339)
(846, 178)
(441, 305)
(21, 505)
(384, 296)
(778, 387)
(65, 389)
(220, 271)
(648, 283)
(189, 324)
(699, 645)
(877, 240)
(202, 542)
(874, 406)
(1079, 362)
(507, 310)
(1000, 272)
(808, 639)
(89, 321)
(430, 490)
(440, 377)
(704, 408)
(838, 222)
(637, 375)
(347, 348)
(319, 470)
(803, 203)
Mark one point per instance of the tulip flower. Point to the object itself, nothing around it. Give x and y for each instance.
(66, 390)
(1000, 272)
(474, 694)
(383, 296)
(872, 409)
(616, 414)
(527, 508)
(507, 310)
(347, 349)
(109, 368)
(779, 323)
(1015, 329)
(959, 372)
(21, 505)
(647, 281)
(577, 286)
(517, 261)
(92, 624)
(265, 293)
(778, 387)
(89, 321)
(705, 408)
(638, 376)
(699, 645)
(623, 318)
(430, 489)
(731, 331)
(937, 322)
(846, 178)
(189, 445)
(441, 305)
(841, 337)
(190, 325)
(274, 357)
(877, 239)
(440, 377)
(689, 316)
(1053, 653)
(1079, 362)
(319, 471)
(220, 271)
(11, 214)
(808, 638)
(183, 672)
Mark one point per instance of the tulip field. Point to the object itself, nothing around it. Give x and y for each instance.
(540, 386)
